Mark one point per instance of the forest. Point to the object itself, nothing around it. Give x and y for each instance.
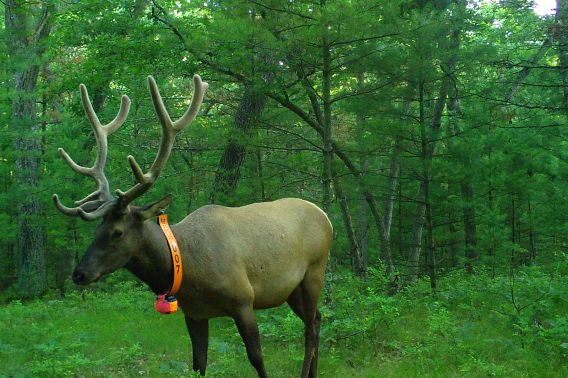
(431, 132)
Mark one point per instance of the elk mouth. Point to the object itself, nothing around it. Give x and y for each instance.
(83, 278)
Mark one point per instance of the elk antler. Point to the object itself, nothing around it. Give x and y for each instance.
(96, 204)
(170, 129)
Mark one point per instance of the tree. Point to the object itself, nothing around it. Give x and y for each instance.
(561, 34)
(28, 26)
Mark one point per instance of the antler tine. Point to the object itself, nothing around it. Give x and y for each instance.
(95, 125)
(191, 112)
(170, 130)
(94, 205)
(99, 209)
(74, 166)
(113, 125)
(91, 197)
(159, 106)
(98, 213)
(72, 212)
(102, 132)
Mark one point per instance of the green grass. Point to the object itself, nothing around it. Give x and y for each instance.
(470, 328)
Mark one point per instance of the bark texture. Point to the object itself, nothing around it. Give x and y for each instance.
(227, 176)
(27, 25)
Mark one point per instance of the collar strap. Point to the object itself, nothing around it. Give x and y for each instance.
(174, 250)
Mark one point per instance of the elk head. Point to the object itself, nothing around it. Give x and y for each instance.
(119, 234)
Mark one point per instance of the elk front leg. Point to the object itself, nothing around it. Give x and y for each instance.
(246, 324)
(199, 334)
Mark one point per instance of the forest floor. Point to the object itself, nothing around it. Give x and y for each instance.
(474, 326)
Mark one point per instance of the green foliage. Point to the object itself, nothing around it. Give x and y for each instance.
(388, 62)
(469, 327)
(382, 53)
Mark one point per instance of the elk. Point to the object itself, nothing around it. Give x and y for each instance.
(235, 260)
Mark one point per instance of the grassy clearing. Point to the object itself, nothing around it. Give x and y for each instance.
(470, 328)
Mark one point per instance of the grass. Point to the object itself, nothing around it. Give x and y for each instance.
(469, 328)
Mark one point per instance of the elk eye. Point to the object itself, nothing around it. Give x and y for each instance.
(116, 234)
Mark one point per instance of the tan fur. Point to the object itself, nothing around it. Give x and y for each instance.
(252, 254)
(235, 259)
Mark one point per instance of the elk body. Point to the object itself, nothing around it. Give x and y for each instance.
(235, 260)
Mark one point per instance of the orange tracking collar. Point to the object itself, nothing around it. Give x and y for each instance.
(167, 303)
(174, 249)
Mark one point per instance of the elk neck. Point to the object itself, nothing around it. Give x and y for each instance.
(152, 262)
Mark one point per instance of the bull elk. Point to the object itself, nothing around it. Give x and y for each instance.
(235, 259)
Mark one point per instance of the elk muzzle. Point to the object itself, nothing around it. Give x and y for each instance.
(84, 276)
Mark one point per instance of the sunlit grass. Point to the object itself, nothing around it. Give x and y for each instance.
(467, 329)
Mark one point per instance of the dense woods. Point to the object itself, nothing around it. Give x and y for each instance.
(433, 133)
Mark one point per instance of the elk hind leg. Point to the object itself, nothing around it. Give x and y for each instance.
(303, 302)
(314, 363)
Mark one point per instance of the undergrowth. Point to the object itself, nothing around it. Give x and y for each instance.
(473, 326)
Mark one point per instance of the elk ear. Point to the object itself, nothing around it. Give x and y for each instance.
(153, 209)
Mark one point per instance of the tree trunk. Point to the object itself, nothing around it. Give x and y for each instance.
(66, 260)
(363, 216)
(429, 142)
(370, 198)
(227, 175)
(430, 247)
(363, 221)
(453, 240)
(327, 135)
(326, 141)
(401, 249)
(356, 259)
(562, 38)
(391, 186)
(532, 243)
(493, 245)
(470, 229)
(385, 229)
(189, 159)
(246, 118)
(260, 175)
(27, 25)
(416, 246)
(430, 133)
(522, 75)
(467, 191)
(513, 230)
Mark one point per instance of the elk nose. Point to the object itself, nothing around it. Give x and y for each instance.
(79, 277)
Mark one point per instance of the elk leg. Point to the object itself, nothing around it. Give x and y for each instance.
(304, 305)
(246, 324)
(314, 364)
(296, 303)
(199, 334)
